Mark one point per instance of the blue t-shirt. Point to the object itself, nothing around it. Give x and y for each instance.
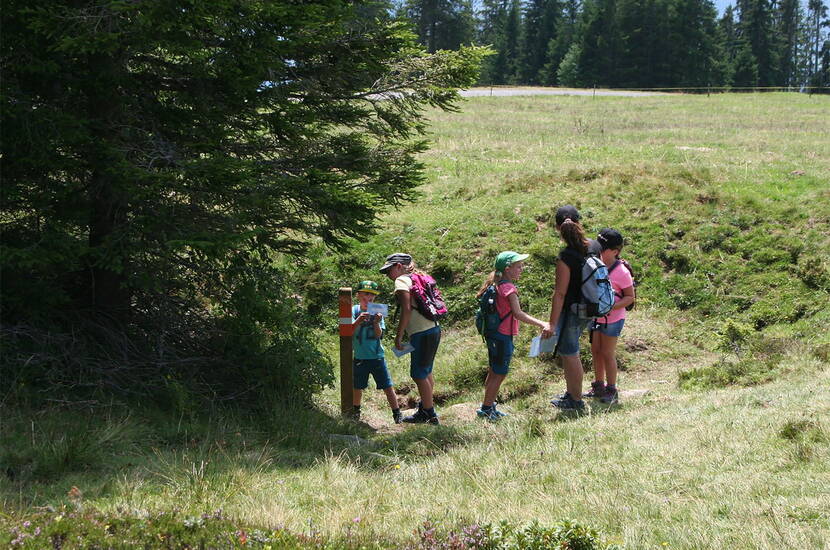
(364, 342)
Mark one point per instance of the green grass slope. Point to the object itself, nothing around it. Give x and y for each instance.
(725, 202)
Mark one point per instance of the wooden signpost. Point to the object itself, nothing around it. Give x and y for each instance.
(346, 332)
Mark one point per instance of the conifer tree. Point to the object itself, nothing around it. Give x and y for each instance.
(565, 36)
(539, 24)
(692, 43)
(788, 23)
(442, 24)
(147, 146)
(600, 44)
(756, 29)
(817, 22)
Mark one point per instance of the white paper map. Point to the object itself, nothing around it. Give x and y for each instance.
(373, 309)
(538, 345)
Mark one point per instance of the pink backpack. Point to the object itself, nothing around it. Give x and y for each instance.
(427, 297)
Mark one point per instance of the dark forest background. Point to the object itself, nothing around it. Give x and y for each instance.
(634, 43)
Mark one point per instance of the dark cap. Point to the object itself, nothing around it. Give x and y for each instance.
(396, 258)
(567, 212)
(609, 238)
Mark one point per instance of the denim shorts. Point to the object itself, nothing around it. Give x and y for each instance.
(569, 334)
(499, 351)
(362, 368)
(609, 329)
(425, 344)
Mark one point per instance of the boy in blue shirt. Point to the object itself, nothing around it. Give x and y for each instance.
(368, 351)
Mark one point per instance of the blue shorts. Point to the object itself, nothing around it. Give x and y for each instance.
(425, 344)
(609, 329)
(570, 333)
(499, 352)
(362, 368)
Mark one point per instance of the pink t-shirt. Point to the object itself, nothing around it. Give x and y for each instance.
(620, 279)
(510, 325)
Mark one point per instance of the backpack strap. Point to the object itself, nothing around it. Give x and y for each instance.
(509, 311)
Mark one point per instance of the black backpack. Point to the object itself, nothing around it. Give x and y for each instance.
(487, 316)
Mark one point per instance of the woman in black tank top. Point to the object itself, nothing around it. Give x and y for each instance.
(566, 325)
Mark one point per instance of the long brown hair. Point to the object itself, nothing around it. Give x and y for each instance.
(574, 236)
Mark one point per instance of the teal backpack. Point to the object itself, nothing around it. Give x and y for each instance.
(487, 316)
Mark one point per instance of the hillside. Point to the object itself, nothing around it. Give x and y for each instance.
(724, 421)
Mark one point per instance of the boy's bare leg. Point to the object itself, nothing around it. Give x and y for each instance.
(391, 397)
(357, 395)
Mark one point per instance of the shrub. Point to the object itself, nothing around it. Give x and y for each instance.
(565, 535)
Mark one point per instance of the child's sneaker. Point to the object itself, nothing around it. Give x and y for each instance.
(490, 413)
(568, 403)
(396, 416)
(597, 389)
(610, 396)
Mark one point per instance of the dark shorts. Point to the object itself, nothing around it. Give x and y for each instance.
(362, 368)
(425, 344)
(499, 352)
(609, 329)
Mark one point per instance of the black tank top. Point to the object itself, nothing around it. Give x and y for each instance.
(574, 259)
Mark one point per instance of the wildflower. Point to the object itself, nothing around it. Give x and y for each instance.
(356, 520)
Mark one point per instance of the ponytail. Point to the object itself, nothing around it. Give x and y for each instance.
(412, 268)
(491, 278)
(574, 236)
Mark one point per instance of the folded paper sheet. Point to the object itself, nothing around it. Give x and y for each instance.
(538, 345)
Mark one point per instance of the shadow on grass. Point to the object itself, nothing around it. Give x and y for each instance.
(44, 452)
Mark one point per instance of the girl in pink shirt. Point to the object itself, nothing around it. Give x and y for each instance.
(508, 268)
(607, 329)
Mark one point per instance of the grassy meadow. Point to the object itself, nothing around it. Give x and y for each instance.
(722, 435)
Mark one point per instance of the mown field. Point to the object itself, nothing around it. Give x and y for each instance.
(722, 437)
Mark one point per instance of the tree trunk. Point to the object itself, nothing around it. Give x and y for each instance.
(109, 293)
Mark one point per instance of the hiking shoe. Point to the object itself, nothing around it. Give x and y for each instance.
(597, 390)
(421, 417)
(557, 397)
(568, 403)
(610, 396)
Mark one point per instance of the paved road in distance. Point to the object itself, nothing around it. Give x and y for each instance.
(504, 91)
